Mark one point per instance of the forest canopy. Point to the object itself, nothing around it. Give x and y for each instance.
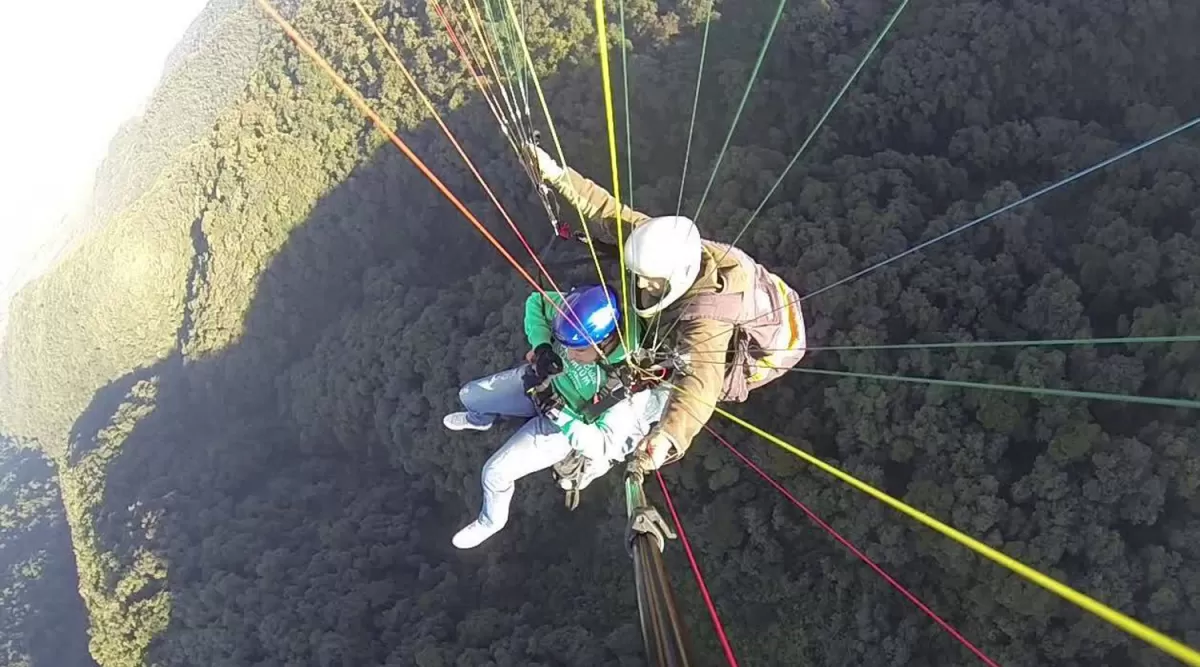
(229, 398)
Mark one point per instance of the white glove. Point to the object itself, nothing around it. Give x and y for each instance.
(548, 169)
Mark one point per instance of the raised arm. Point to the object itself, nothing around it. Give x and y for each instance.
(538, 315)
(593, 201)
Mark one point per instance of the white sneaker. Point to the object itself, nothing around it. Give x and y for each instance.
(474, 534)
(461, 421)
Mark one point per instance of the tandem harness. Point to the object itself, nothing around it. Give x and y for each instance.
(623, 381)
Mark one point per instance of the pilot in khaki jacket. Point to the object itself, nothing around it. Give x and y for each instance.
(723, 306)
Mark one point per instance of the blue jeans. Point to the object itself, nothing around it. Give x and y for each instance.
(499, 395)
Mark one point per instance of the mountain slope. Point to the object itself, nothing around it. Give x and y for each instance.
(241, 376)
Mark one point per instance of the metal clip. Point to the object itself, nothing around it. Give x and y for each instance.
(647, 521)
(569, 473)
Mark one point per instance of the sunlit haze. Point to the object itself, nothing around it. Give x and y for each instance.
(73, 71)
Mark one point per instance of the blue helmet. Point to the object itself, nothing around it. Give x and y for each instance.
(595, 308)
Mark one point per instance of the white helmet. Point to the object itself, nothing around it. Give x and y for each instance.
(666, 248)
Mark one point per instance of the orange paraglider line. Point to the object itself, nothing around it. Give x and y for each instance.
(367, 111)
(437, 117)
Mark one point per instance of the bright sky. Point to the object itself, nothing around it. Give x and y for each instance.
(72, 71)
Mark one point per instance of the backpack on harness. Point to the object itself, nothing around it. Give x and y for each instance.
(768, 334)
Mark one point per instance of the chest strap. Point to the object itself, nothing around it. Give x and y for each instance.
(622, 382)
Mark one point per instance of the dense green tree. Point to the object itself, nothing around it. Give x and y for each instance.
(44, 620)
(240, 376)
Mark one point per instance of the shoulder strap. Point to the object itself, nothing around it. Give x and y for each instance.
(613, 392)
(603, 403)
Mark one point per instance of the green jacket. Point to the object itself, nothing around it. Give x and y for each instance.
(578, 384)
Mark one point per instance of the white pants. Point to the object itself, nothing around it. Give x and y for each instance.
(537, 445)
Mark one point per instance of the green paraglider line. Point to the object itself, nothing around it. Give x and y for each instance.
(820, 123)
(501, 80)
(804, 146)
(687, 153)
(1037, 391)
(762, 56)
(628, 118)
(1004, 209)
(511, 71)
(964, 384)
(887, 28)
(988, 216)
(1127, 340)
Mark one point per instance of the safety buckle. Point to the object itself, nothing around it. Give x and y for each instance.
(572, 500)
(646, 520)
(676, 363)
(545, 400)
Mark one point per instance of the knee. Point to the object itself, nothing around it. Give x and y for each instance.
(495, 478)
(465, 394)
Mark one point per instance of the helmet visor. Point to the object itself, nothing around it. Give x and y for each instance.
(651, 291)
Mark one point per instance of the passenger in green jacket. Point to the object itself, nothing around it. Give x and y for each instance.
(563, 376)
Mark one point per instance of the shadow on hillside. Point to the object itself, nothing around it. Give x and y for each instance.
(264, 472)
(44, 611)
(85, 432)
(214, 467)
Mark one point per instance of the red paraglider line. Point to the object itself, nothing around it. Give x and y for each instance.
(687, 548)
(357, 99)
(855, 550)
(467, 60)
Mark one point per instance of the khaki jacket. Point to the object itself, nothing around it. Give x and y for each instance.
(701, 340)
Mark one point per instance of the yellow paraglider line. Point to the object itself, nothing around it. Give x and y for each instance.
(602, 39)
(562, 158)
(1136, 628)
